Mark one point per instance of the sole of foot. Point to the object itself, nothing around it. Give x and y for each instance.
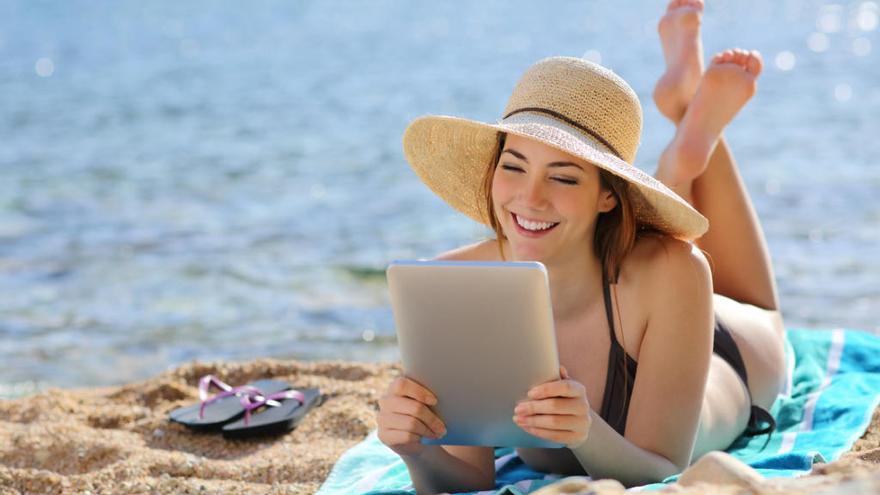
(679, 31)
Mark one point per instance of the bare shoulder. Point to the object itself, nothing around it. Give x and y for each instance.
(661, 261)
(486, 250)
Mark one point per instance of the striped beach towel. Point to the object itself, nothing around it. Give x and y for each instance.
(833, 389)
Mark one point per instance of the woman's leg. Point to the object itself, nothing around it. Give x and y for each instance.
(735, 240)
(698, 164)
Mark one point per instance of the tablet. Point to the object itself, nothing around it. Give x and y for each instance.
(479, 335)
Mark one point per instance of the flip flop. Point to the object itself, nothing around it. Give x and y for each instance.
(213, 412)
(284, 410)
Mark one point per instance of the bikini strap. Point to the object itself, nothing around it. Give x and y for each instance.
(609, 312)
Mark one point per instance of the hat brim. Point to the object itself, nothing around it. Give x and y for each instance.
(452, 155)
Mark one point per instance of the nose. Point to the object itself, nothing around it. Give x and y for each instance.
(534, 194)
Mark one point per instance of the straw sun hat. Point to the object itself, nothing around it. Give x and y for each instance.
(570, 104)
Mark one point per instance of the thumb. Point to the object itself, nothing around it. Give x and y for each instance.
(563, 372)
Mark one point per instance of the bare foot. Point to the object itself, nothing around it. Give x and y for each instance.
(683, 51)
(729, 82)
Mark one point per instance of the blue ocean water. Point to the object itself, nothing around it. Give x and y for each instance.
(224, 180)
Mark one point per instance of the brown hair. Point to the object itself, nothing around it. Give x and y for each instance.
(486, 190)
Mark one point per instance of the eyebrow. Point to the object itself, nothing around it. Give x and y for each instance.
(522, 157)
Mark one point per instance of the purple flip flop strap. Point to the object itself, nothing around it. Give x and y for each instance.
(270, 400)
(244, 393)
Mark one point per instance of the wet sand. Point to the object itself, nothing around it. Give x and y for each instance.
(118, 439)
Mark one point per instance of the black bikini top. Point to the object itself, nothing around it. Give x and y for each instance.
(621, 375)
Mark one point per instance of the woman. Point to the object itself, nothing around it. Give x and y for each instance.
(669, 334)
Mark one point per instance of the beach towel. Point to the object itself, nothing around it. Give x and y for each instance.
(833, 389)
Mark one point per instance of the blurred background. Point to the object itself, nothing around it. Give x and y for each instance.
(224, 180)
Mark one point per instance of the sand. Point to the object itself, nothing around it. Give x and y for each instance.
(118, 439)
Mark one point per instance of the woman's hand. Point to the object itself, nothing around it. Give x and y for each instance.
(557, 411)
(404, 417)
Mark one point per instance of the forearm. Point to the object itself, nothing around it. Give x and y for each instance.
(606, 454)
(435, 471)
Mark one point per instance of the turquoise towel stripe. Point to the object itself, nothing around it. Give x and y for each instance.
(835, 388)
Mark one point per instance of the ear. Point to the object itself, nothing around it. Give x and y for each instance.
(607, 201)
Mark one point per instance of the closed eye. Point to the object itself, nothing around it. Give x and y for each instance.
(517, 169)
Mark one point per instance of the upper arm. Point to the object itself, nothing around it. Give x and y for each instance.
(675, 352)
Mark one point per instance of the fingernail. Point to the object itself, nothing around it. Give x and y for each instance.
(432, 400)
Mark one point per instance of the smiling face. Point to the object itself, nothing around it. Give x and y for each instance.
(546, 201)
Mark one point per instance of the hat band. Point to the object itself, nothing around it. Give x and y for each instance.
(568, 121)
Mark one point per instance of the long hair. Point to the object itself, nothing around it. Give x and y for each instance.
(486, 191)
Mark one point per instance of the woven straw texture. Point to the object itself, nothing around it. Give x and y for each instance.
(573, 105)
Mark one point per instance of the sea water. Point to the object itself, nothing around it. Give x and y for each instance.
(225, 180)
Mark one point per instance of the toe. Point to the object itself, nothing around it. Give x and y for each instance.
(723, 57)
(754, 63)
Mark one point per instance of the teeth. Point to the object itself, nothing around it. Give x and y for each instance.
(530, 225)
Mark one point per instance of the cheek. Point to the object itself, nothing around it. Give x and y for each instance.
(576, 209)
(501, 190)
(574, 206)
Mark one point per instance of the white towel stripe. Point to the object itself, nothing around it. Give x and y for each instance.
(501, 461)
(788, 439)
(834, 355)
(369, 481)
(524, 485)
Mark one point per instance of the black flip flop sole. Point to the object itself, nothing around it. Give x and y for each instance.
(275, 420)
(223, 410)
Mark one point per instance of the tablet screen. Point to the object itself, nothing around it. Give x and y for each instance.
(479, 335)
